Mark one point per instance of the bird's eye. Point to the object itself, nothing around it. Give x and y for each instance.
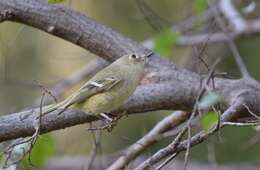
(133, 56)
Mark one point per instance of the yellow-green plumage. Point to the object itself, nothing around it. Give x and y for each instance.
(119, 80)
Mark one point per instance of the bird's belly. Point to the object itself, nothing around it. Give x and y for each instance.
(103, 103)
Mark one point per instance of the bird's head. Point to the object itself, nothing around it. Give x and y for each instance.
(135, 59)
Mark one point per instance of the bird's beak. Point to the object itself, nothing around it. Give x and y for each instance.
(146, 56)
(149, 54)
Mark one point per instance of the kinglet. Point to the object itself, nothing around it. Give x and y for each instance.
(108, 89)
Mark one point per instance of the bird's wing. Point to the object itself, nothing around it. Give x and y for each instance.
(91, 88)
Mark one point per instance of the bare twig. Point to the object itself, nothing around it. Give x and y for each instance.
(241, 123)
(167, 161)
(96, 146)
(249, 111)
(27, 142)
(195, 108)
(212, 155)
(45, 90)
(175, 143)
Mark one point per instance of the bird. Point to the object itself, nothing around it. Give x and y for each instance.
(108, 89)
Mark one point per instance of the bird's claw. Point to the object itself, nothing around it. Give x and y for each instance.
(110, 122)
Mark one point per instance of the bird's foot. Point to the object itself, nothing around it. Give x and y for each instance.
(109, 122)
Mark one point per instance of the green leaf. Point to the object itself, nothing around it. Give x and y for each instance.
(165, 41)
(208, 120)
(200, 6)
(55, 1)
(43, 149)
(209, 100)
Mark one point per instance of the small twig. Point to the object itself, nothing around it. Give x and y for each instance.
(250, 112)
(30, 141)
(212, 155)
(37, 130)
(45, 90)
(168, 160)
(186, 157)
(195, 108)
(203, 48)
(94, 149)
(240, 123)
(176, 130)
(174, 145)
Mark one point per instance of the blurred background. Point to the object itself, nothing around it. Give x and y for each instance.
(28, 55)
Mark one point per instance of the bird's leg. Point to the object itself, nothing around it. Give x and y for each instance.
(109, 122)
(105, 117)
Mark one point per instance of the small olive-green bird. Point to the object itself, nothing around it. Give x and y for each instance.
(108, 89)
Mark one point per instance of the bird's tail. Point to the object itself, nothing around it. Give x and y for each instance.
(63, 105)
(53, 107)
